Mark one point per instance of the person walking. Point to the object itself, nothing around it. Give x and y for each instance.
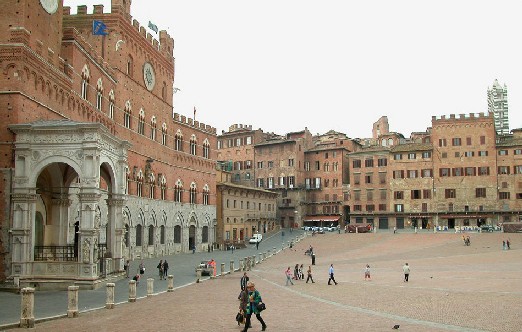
(331, 273)
(142, 268)
(254, 298)
(367, 273)
(243, 302)
(406, 270)
(165, 269)
(301, 272)
(126, 267)
(309, 272)
(243, 283)
(296, 272)
(288, 273)
(160, 269)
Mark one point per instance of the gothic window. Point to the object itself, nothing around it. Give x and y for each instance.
(141, 122)
(127, 112)
(193, 193)
(111, 104)
(206, 195)
(139, 184)
(193, 145)
(85, 81)
(99, 94)
(151, 235)
(178, 141)
(138, 235)
(164, 133)
(153, 128)
(206, 149)
(178, 191)
(163, 187)
(152, 187)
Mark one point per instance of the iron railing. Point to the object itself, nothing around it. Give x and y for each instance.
(54, 253)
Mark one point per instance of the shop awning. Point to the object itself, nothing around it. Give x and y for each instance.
(322, 218)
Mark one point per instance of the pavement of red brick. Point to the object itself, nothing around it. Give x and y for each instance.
(452, 287)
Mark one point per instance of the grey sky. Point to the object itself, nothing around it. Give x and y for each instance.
(288, 64)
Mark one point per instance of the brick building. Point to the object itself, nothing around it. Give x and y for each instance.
(242, 211)
(96, 168)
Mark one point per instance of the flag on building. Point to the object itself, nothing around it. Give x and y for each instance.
(194, 113)
(99, 28)
(153, 27)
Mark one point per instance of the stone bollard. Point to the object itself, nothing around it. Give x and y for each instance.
(72, 302)
(150, 286)
(253, 260)
(27, 308)
(222, 269)
(231, 266)
(198, 276)
(260, 258)
(170, 279)
(246, 266)
(264, 255)
(241, 266)
(275, 250)
(109, 303)
(132, 291)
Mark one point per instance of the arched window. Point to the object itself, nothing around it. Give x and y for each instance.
(206, 149)
(164, 133)
(193, 193)
(153, 128)
(178, 141)
(85, 81)
(139, 184)
(327, 167)
(138, 235)
(204, 234)
(177, 234)
(206, 195)
(152, 186)
(178, 191)
(162, 234)
(164, 91)
(151, 235)
(163, 188)
(111, 104)
(99, 94)
(127, 114)
(193, 145)
(130, 66)
(141, 122)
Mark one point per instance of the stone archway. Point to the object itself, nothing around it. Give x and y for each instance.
(59, 164)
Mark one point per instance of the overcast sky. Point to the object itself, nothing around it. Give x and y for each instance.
(283, 65)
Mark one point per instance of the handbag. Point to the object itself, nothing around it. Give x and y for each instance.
(239, 317)
(261, 306)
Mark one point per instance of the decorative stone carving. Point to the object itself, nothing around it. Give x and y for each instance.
(86, 249)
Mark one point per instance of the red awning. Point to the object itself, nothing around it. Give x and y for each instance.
(322, 218)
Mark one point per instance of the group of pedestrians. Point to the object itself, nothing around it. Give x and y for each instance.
(249, 303)
(298, 274)
(163, 268)
(506, 245)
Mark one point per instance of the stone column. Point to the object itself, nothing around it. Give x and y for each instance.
(109, 303)
(27, 308)
(150, 286)
(89, 230)
(72, 303)
(116, 231)
(170, 287)
(222, 269)
(24, 209)
(231, 266)
(132, 291)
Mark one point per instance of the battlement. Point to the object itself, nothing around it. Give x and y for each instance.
(165, 44)
(193, 123)
(452, 117)
(236, 127)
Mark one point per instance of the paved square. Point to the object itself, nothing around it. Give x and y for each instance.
(452, 287)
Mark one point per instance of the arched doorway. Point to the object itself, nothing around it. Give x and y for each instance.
(192, 237)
